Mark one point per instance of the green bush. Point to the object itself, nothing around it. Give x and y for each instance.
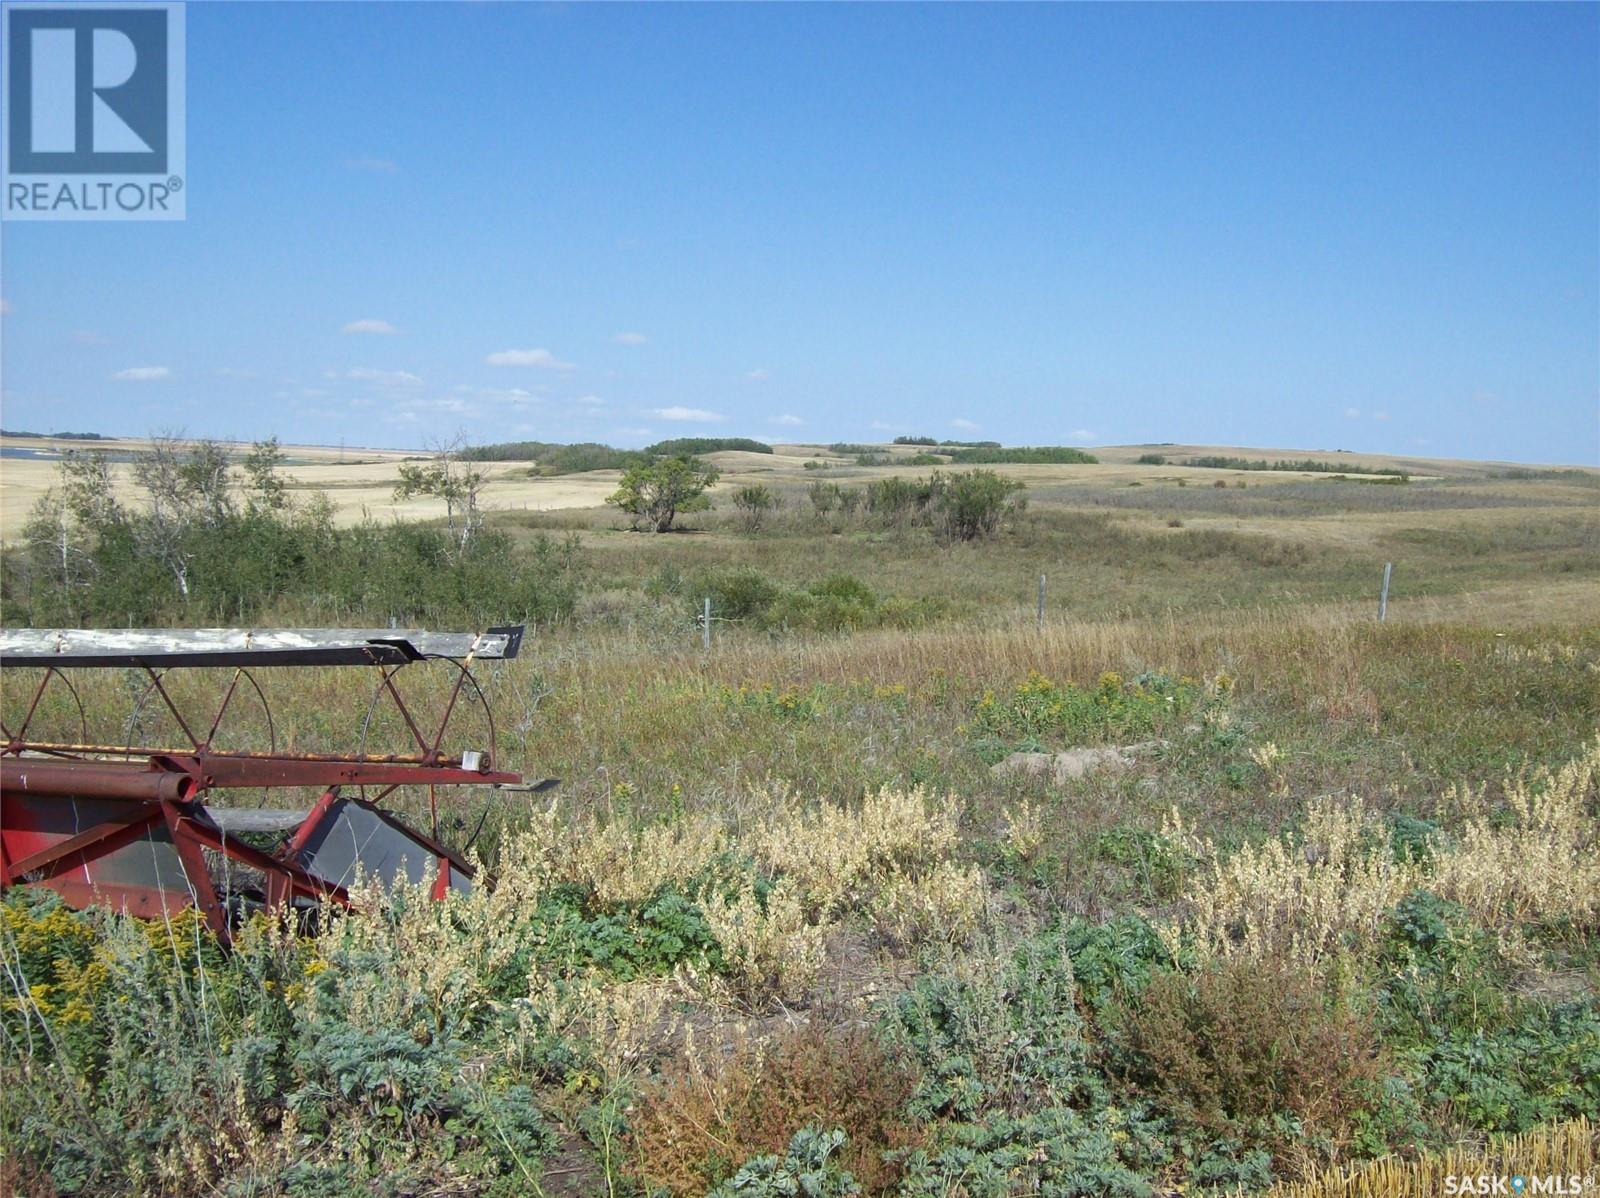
(753, 502)
(654, 494)
(1112, 959)
(837, 603)
(1037, 455)
(1299, 466)
(1004, 1035)
(1058, 1151)
(806, 1168)
(971, 505)
(143, 1053)
(739, 594)
(825, 497)
(223, 563)
(555, 459)
(897, 499)
(572, 934)
(1039, 710)
(1009, 1077)
(1487, 1057)
(678, 447)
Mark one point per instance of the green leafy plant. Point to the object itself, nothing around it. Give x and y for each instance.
(654, 494)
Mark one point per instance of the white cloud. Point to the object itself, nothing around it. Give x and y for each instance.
(788, 421)
(592, 401)
(882, 426)
(1352, 413)
(1085, 434)
(380, 327)
(630, 338)
(452, 406)
(5, 307)
(689, 415)
(143, 374)
(511, 395)
(366, 374)
(759, 375)
(1380, 415)
(375, 166)
(964, 425)
(542, 358)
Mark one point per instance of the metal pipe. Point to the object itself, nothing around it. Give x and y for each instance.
(48, 746)
(93, 780)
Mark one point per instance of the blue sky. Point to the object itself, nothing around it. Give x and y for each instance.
(1368, 227)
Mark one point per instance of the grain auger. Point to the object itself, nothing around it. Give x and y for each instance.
(161, 821)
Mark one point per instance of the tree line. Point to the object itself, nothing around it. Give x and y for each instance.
(207, 540)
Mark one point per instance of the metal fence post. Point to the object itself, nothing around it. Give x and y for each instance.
(705, 627)
(1383, 596)
(1040, 619)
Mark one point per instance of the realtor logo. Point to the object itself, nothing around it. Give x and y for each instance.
(94, 112)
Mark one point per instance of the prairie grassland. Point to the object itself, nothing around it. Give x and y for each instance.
(784, 917)
(360, 481)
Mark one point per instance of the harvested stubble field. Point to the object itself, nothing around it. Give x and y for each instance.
(786, 928)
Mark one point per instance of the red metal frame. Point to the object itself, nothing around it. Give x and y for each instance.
(140, 795)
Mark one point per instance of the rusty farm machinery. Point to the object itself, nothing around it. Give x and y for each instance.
(151, 823)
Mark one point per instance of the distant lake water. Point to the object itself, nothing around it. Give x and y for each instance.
(29, 453)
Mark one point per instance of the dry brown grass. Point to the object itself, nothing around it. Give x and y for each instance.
(709, 1116)
(360, 481)
(1327, 891)
(1565, 1151)
(1241, 1040)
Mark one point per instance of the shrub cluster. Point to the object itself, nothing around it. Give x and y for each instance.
(692, 1131)
(690, 446)
(963, 506)
(1232, 1048)
(1039, 711)
(1299, 466)
(1035, 455)
(306, 1065)
(931, 441)
(745, 595)
(198, 549)
(557, 458)
(553, 458)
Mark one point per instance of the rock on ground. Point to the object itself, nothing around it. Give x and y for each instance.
(1074, 763)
